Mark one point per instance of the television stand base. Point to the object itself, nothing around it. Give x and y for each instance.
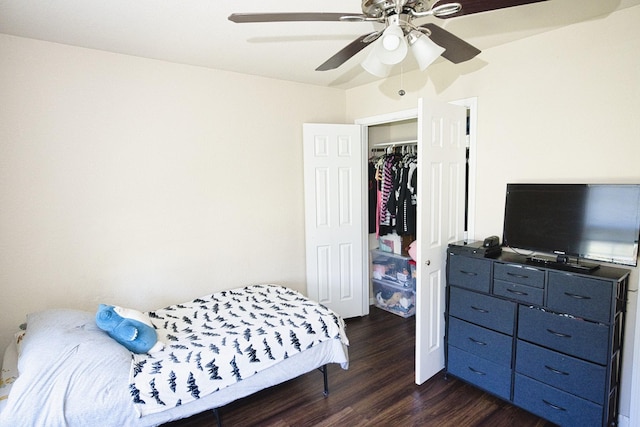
(562, 264)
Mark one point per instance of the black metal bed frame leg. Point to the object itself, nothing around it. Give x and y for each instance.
(325, 373)
(217, 415)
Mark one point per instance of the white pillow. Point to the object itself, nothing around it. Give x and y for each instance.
(70, 372)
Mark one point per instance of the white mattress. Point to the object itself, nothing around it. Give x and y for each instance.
(71, 373)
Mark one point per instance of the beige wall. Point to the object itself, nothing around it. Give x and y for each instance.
(142, 183)
(562, 106)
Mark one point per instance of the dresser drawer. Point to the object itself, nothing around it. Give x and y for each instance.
(567, 373)
(516, 291)
(519, 274)
(483, 310)
(575, 337)
(555, 405)
(471, 273)
(480, 341)
(481, 372)
(580, 296)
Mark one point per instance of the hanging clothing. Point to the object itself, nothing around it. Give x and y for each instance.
(387, 215)
(373, 198)
(407, 197)
(396, 198)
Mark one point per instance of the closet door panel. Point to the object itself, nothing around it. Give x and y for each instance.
(440, 213)
(334, 228)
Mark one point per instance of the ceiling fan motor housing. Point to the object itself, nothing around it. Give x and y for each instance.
(384, 8)
(377, 8)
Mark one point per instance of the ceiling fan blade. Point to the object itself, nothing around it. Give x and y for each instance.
(456, 49)
(476, 6)
(348, 51)
(290, 17)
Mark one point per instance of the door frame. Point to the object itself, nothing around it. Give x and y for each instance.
(472, 107)
(634, 413)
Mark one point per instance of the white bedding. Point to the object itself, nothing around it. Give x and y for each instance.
(73, 374)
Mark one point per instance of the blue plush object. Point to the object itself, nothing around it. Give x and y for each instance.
(129, 327)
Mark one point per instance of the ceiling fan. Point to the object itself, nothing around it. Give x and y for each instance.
(427, 41)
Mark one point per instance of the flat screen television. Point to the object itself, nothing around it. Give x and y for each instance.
(599, 222)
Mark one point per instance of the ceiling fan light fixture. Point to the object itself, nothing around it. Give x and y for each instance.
(424, 49)
(373, 65)
(391, 41)
(392, 47)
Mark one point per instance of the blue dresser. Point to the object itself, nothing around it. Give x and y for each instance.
(544, 339)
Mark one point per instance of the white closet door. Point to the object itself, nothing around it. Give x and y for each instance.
(441, 196)
(334, 218)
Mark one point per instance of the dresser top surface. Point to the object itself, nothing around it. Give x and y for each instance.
(603, 272)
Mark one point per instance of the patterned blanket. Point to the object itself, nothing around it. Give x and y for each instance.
(215, 341)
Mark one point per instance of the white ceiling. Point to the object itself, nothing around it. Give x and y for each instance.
(197, 32)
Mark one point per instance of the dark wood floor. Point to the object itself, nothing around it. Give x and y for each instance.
(378, 389)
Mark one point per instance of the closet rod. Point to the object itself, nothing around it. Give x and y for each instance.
(391, 148)
(396, 143)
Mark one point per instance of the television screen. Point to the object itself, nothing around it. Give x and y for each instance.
(593, 221)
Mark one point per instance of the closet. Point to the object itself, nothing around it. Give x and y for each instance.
(336, 226)
(392, 215)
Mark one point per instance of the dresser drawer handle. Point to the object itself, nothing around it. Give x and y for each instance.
(576, 296)
(475, 371)
(513, 291)
(475, 341)
(558, 334)
(556, 407)
(519, 276)
(481, 310)
(556, 371)
(468, 273)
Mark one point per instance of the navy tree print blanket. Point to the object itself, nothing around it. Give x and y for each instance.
(217, 340)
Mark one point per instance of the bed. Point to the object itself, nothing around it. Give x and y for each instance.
(65, 371)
